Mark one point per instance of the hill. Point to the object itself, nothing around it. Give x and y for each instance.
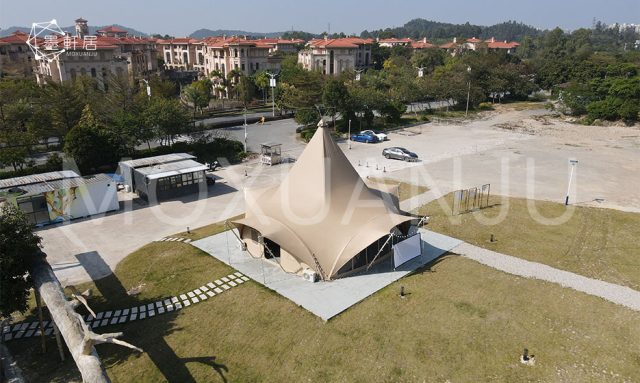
(419, 28)
(72, 30)
(202, 33)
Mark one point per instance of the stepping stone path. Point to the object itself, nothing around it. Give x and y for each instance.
(107, 318)
(174, 239)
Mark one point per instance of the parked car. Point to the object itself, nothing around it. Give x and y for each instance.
(398, 153)
(381, 136)
(366, 138)
(211, 179)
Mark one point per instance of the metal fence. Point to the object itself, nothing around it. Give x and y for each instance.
(468, 200)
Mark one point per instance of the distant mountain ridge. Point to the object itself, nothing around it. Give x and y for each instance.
(419, 28)
(204, 32)
(72, 30)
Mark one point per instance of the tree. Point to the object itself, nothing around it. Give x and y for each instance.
(167, 117)
(261, 80)
(245, 89)
(90, 144)
(336, 98)
(18, 245)
(198, 95)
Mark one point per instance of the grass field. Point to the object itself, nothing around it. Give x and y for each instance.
(461, 322)
(597, 243)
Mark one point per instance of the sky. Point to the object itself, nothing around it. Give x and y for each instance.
(180, 18)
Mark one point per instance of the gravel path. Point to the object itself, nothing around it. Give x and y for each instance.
(614, 293)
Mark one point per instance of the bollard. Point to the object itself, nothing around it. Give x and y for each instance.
(402, 292)
(188, 230)
(493, 239)
(376, 166)
(245, 173)
(384, 170)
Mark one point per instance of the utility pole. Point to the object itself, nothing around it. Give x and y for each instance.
(466, 112)
(573, 164)
(272, 84)
(349, 136)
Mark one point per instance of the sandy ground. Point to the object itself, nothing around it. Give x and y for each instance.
(520, 153)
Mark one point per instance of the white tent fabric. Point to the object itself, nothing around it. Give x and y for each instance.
(322, 210)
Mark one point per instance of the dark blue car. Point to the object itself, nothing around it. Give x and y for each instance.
(364, 137)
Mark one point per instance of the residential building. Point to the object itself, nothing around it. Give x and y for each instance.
(112, 31)
(333, 56)
(181, 53)
(97, 56)
(224, 54)
(281, 45)
(394, 42)
(506, 46)
(16, 59)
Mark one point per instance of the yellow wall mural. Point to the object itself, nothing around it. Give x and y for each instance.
(59, 203)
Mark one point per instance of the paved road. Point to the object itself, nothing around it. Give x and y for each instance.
(621, 295)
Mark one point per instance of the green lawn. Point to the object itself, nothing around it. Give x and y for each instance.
(461, 322)
(594, 242)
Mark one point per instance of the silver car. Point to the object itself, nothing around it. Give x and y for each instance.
(399, 153)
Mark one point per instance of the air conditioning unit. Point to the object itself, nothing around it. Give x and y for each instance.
(310, 275)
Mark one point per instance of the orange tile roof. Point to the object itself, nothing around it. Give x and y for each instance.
(17, 37)
(347, 42)
(449, 45)
(474, 40)
(501, 45)
(111, 29)
(421, 45)
(396, 40)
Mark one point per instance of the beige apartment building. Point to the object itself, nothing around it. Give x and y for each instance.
(108, 54)
(334, 56)
(16, 59)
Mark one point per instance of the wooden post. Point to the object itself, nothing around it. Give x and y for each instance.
(68, 322)
(43, 340)
(58, 342)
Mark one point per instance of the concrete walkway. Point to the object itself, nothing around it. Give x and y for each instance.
(323, 299)
(614, 293)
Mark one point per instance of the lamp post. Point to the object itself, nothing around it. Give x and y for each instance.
(358, 72)
(148, 88)
(573, 164)
(349, 136)
(245, 128)
(421, 71)
(272, 84)
(466, 112)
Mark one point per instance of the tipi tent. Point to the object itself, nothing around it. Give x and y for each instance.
(322, 216)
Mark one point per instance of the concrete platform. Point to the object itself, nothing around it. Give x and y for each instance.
(324, 299)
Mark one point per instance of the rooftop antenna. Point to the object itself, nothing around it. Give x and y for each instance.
(329, 29)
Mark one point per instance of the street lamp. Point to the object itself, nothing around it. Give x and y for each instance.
(421, 71)
(245, 128)
(573, 164)
(272, 84)
(466, 112)
(358, 72)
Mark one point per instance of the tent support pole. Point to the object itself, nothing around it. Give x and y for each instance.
(379, 251)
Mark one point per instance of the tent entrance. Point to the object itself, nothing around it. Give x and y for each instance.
(273, 249)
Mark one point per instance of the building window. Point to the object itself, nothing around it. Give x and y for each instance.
(243, 67)
(257, 66)
(93, 72)
(235, 52)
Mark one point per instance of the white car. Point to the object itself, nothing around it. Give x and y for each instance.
(381, 136)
